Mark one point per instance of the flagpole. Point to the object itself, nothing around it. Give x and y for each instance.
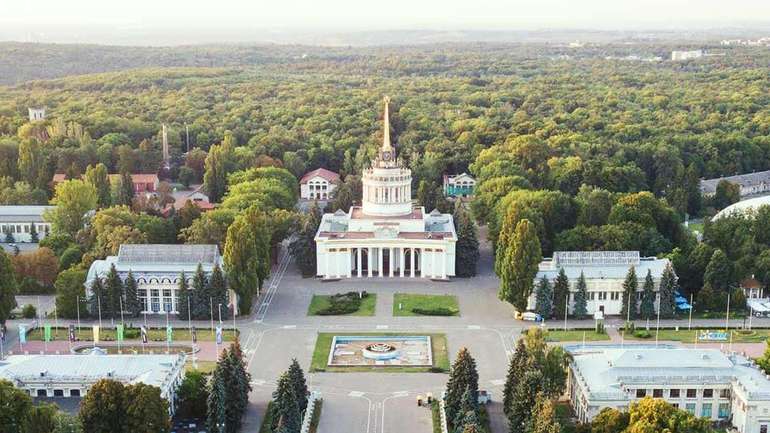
(211, 313)
(120, 300)
(727, 316)
(689, 322)
(56, 319)
(99, 301)
(657, 325)
(566, 309)
(78, 308)
(42, 321)
(168, 344)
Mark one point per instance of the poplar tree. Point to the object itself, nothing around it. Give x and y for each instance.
(302, 247)
(543, 419)
(132, 304)
(462, 376)
(629, 295)
(647, 307)
(98, 178)
(581, 298)
(467, 246)
(668, 286)
(183, 295)
(520, 265)
(543, 298)
(125, 191)
(8, 286)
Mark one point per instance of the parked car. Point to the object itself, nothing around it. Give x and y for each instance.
(484, 396)
(529, 316)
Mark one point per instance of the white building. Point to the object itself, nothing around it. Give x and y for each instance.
(318, 184)
(749, 183)
(686, 55)
(605, 272)
(68, 376)
(461, 185)
(18, 221)
(386, 236)
(705, 382)
(36, 114)
(157, 268)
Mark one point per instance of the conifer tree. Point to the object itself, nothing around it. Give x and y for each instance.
(113, 289)
(217, 292)
(33, 236)
(217, 400)
(131, 304)
(183, 295)
(462, 376)
(560, 294)
(97, 296)
(543, 298)
(237, 386)
(468, 413)
(668, 286)
(297, 377)
(543, 419)
(302, 247)
(629, 295)
(516, 368)
(647, 308)
(197, 295)
(580, 309)
(467, 247)
(287, 413)
(523, 401)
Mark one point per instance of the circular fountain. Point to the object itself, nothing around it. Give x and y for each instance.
(380, 351)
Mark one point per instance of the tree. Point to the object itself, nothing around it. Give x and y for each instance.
(40, 266)
(543, 298)
(98, 177)
(198, 294)
(193, 394)
(215, 176)
(302, 247)
(247, 255)
(657, 415)
(709, 299)
(33, 237)
(184, 302)
(218, 291)
(543, 419)
(287, 412)
(647, 307)
(217, 400)
(237, 386)
(16, 408)
(523, 400)
(666, 289)
(580, 309)
(73, 199)
(609, 420)
(719, 272)
(102, 410)
(31, 161)
(467, 246)
(629, 295)
(520, 265)
(463, 376)
(131, 294)
(8, 287)
(113, 290)
(726, 193)
(145, 410)
(66, 423)
(764, 361)
(69, 291)
(518, 365)
(297, 378)
(561, 295)
(97, 297)
(124, 194)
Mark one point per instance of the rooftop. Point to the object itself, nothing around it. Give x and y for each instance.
(358, 213)
(26, 214)
(321, 172)
(743, 206)
(167, 254)
(709, 186)
(600, 264)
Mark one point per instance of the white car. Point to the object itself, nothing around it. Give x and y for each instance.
(531, 317)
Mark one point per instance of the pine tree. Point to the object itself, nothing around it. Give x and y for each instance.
(183, 298)
(97, 296)
(218, 293)
(543, 298)
(132, 304)
(286, 407)
(302, 247)
(647, 308)
(217, 401)
(463, 375)
(580, 309)
(543, 419)
(629, 295)
(9, 239)
(516, 369)
(198, 299)
(113, 289)
(668, 286)
(560, 295)
(523, 400)
(33, 237)
(519, 266)
(468, 413)
(237, 386)
(467, 247)
(297, 377)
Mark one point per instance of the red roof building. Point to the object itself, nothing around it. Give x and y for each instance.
(318, 184)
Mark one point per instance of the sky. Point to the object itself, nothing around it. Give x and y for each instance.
(40, 16)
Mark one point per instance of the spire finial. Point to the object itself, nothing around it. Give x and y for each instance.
(386, 146)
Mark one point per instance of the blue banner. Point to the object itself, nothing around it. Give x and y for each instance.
(22, 334)
(219, 335)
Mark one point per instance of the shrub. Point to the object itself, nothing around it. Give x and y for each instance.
(629, 327)
(600, 328)
(436, 311)
(29, 311)
(642, 333)
(343, 303)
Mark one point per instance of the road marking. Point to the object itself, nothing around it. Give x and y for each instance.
(497, 382)
(401, 394)
(382, 326)
(289, 326)
(356, 394)
(258, 382)
(474, 327)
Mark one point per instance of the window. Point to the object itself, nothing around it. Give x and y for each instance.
(74, 393)
(155, 300)
(42, 393)
(167, 300)
(602, 296)
(58, 393)
(657, 393)
(641, 393)
(763, 428)
(614, 296)
(708, 393)
(673, 393)
(724, 410)
(591, 296)
(705, 410)
(724, 393)
(692, 393)
(675, 405)
(690, 407)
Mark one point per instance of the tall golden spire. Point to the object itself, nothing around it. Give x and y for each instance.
(386, 146)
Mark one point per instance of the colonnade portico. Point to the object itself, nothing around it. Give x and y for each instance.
(385, 261)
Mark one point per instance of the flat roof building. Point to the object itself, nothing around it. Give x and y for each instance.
(73, 375)
(705, 382)
(18, 221)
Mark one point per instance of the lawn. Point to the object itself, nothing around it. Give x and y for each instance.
(324, 341)
(685, 336)
(130, 334)
(321, 302)
(557, 335)
(407, 304)
(205, 367)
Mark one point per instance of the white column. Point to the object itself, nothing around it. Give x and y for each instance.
(369, 260)
(349, 263)
(326, 260)
(401, 261)
(391, 260)
(411, 262)
(358, 258)
(433, 263)
(379, 261)
(443, 265)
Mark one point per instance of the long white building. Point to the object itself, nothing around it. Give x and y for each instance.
(387, 236)
(705, 382)
(18, 221)
(157, 268)
(605, 272)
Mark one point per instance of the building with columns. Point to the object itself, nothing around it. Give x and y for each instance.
(386, 236)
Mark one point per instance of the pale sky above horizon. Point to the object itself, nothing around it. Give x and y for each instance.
(342, 15)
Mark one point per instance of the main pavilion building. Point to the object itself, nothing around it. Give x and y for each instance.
(386, 236)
